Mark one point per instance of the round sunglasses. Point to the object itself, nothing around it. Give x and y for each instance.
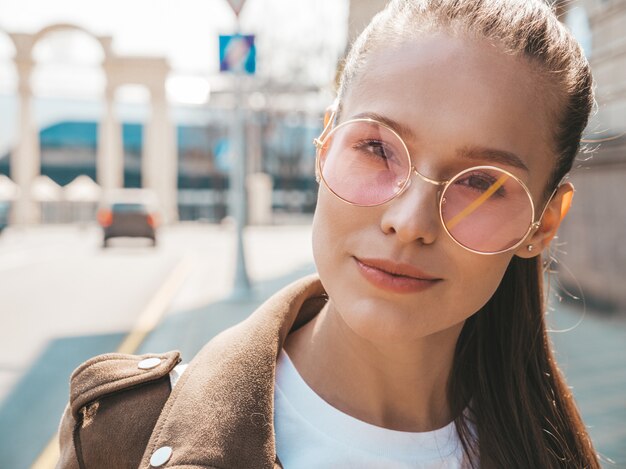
(484, 209)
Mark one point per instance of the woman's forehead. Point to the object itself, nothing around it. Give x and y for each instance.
(446, 68)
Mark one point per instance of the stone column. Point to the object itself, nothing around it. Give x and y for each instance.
(110, 158)
(160, 158)
(26, 158)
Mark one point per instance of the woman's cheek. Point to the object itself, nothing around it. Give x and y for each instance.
(481, 280)
(317, 241)
(324, 236)
(333, 224)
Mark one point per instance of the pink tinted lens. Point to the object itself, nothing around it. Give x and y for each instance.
(486, 210)
(364, 163)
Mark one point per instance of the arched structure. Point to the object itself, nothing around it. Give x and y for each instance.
(8, 85)
(159, 166)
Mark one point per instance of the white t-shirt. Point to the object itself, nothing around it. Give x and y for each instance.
(310, 433)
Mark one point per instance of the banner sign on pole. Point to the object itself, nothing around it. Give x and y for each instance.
(236, 5)
(237, 53)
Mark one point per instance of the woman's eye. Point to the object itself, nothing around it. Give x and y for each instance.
(373, 147)
(481, 183)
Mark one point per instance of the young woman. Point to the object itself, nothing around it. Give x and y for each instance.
(422, 343)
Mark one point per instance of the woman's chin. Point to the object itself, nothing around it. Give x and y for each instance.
(374, 325)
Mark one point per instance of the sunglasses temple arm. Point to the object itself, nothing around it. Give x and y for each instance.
(331, 112)
(537, 224)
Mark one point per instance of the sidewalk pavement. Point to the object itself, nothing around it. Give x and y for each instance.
(591, 351)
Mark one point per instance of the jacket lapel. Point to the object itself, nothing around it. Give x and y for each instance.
(221, 412)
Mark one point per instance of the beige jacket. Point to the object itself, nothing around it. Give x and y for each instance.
(220, 414)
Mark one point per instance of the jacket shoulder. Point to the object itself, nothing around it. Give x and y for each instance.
(115, 372)
(115, 401)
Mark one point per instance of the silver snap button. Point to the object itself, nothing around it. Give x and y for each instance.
(161, 456)
(148, 363)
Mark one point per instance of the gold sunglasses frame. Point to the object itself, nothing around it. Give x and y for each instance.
(331, 129)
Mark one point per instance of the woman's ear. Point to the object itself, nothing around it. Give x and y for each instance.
(553, 215)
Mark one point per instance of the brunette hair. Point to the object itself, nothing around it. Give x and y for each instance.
(513, 408)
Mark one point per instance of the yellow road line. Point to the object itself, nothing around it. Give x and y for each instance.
(146, 322)
(152, 313)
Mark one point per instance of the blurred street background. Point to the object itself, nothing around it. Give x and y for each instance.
(132, 117)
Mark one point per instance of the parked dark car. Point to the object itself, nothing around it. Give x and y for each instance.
(129, 213)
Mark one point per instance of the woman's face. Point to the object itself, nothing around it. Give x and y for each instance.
(445, 94)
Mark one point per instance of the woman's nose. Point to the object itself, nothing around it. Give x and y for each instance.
(414, 214)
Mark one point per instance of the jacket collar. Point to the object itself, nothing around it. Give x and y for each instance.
(221, 412)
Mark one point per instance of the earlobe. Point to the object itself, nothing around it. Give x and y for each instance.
(555, 212)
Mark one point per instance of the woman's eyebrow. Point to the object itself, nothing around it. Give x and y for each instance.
(404, 131)
(493, 155)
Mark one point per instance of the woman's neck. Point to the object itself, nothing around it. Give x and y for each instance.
(400, 386)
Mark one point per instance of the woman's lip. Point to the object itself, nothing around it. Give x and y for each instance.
(394, 283)
(396, 268)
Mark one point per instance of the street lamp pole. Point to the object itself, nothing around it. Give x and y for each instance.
(242, 288)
